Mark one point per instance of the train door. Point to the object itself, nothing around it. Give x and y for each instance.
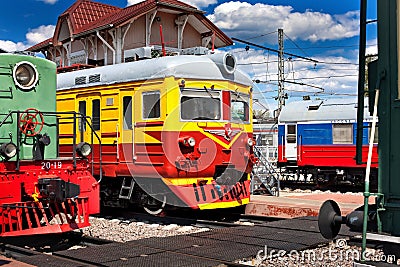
(291, 142)
(89, 106)
(127, 135)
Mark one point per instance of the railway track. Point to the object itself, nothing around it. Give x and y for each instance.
(222, 246)
(209, 219)
(40, 251)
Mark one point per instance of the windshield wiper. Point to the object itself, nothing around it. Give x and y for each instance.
(208, 92)
(239, 96)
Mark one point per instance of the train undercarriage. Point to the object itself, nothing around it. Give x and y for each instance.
(325, 178)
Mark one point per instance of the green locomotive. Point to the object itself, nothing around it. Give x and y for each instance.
(41, 192)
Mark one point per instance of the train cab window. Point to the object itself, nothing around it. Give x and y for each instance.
(240, 107)
(127, 112)
(200, 105)
(151, 105)
(82, 111)
(291, 134)
(342, 133)
(96, 114)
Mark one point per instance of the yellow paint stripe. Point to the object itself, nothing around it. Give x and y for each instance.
(218, 205)
(186, 181)
(222, 143)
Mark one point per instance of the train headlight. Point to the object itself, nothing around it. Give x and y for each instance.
(250, 142)
(188, 141)
(25, 75)
(191, 141)
(83, 149)
(8, 150)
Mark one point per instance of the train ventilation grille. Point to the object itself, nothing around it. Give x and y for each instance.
(94, 78)
(80, 80)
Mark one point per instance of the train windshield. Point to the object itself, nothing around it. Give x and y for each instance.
(200, 105)
(240, 107)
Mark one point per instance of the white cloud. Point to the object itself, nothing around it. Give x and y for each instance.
(10, 46)
(40, 34)
(133, 2)
(51, 2)
(372, 47)
(34, 36)
(243, 19)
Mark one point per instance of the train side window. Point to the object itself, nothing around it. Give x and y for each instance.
(291, 134)
(96, 114)
(82, 110)
(376, 133)
(151, 105)
(342, 133)
(127, 112)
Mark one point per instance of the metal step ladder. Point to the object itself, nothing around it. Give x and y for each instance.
(265, 178)
(127, 188)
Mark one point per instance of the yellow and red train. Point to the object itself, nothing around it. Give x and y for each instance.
(175, 131)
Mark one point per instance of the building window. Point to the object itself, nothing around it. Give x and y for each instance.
(127, 112)
(151, 105)
(96, 114)
(342, 133)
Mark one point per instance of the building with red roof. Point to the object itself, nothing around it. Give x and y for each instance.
(94, 33)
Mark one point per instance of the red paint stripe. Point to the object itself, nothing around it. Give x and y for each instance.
(65, 135)
(149, 124)
(226, 100)
(114, 134)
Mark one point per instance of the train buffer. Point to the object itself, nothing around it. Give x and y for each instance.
(264, 177)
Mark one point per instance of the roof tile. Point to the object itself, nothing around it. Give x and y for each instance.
(85, 12)
(87, 15)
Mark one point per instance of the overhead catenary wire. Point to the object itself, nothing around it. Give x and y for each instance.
(261, 35)
(296, 45)
(274, 50)
(291, 70)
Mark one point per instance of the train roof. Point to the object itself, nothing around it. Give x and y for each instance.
(322, 110)
(206, 67)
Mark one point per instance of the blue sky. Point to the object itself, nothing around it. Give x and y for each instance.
(326, 31)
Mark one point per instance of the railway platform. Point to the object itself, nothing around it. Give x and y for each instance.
(300, 204)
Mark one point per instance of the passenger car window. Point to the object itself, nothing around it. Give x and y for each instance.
(127, 112)
(342, 133)
(151, 105)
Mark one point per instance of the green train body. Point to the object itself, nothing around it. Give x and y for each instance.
(39, 93)
(38, 187)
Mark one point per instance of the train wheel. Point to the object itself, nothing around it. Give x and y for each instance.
(154, 206)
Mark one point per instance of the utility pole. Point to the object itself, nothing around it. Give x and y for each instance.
(282, 96)
(281, 74)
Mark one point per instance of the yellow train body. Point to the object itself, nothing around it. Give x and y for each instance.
(152, 143)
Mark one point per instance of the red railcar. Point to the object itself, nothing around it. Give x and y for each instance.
(317, 139)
